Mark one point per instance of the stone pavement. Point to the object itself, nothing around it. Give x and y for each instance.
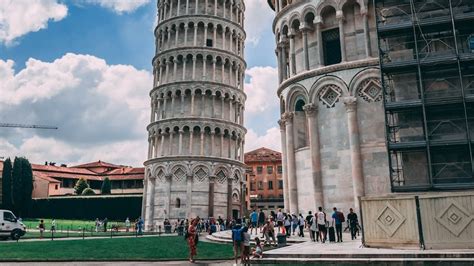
(121, 263)
(353, 252)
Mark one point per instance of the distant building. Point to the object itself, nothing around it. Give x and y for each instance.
(51, 180)
(264, 176)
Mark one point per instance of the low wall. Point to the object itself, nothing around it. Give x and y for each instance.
(114, 207)
(428, 220)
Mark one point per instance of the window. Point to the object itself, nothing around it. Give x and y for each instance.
(280, 184)
(260, 185)
(332, 47)
(252, 186)
(56, 187)
(209, 42)
(8, 216)
(270, 185)
(279, 169)
(259, 169)
(178, 203)
(270, 170)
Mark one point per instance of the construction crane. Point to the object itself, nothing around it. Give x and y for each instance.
(27, 126)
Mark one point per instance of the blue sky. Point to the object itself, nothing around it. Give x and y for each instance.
(85, 66)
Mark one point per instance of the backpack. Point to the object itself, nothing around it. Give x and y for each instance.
(237, 234)
(340, 215)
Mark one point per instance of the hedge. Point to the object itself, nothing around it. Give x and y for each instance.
(87, 207)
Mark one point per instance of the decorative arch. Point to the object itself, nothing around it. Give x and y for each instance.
(296, 92)
(179, 173)
(200, 172)
(323, 83)
(324, 4)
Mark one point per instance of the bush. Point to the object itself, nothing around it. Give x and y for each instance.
(80, 186)
(87, 208)
(88, 191)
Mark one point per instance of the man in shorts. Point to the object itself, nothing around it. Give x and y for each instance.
(321, 220)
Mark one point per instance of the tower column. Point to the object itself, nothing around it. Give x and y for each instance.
(365, 21)
(291, 164)
(356, 156)
(311, 111)
(292, 53)
(286, 192)
(340, 19)
(304, 31)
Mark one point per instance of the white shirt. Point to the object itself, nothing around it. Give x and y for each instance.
(321, 218)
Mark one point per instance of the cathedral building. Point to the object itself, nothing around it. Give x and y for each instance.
(195, 163)
(332, 112)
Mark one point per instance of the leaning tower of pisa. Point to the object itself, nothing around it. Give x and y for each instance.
(196, 135)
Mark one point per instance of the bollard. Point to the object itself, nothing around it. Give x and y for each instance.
(52, 235)
(83, 233)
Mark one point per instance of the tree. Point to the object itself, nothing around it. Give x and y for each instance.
(22, 185)
(80, 186)
(106, 187)
(7, 184)
(88, 191)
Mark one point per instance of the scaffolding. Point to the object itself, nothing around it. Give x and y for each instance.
(427, 65)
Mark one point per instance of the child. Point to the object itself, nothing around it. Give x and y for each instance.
(246, 242)
(257, 252)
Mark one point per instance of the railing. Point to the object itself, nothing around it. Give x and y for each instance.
(447, 129)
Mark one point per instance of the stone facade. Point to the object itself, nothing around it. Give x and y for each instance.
(332, 116)
(196, 134)
(264, 179)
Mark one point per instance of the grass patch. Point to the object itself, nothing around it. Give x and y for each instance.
(71, 225)
(144, 248)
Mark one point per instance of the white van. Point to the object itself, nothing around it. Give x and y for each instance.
(10, 227)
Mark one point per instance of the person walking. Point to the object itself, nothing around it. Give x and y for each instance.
(294, 223)
(338, 219)
(237, 238)
(140, 225)
(321, 219)
(246, 246)
(261, 220)
(301, 225)
(192, 237)
(287, 223)
(53, 225)
(308, 222)
(97, 225)
(253, 221)
(104, 223)
(353, 223)
(127, 224)
(41, 228)
(280, 216)
(313, 229)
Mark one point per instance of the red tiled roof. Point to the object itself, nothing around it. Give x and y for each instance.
(262, 155)
(51, 168)
(81, 171)
(45, 177)
(97, 164)
(126, 177)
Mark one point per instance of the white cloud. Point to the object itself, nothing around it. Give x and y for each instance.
(261, 89)
(101, 110)
(38, 149)
(120, 6)
(258, 18)
(19, 17)
(271, 140)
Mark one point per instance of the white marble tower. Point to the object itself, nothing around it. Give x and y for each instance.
(196, 134)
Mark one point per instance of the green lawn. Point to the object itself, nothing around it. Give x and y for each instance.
(144, 248)
(64, 234)
(71, 225)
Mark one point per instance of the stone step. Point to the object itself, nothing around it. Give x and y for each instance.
(417, 255)
(365, 261)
